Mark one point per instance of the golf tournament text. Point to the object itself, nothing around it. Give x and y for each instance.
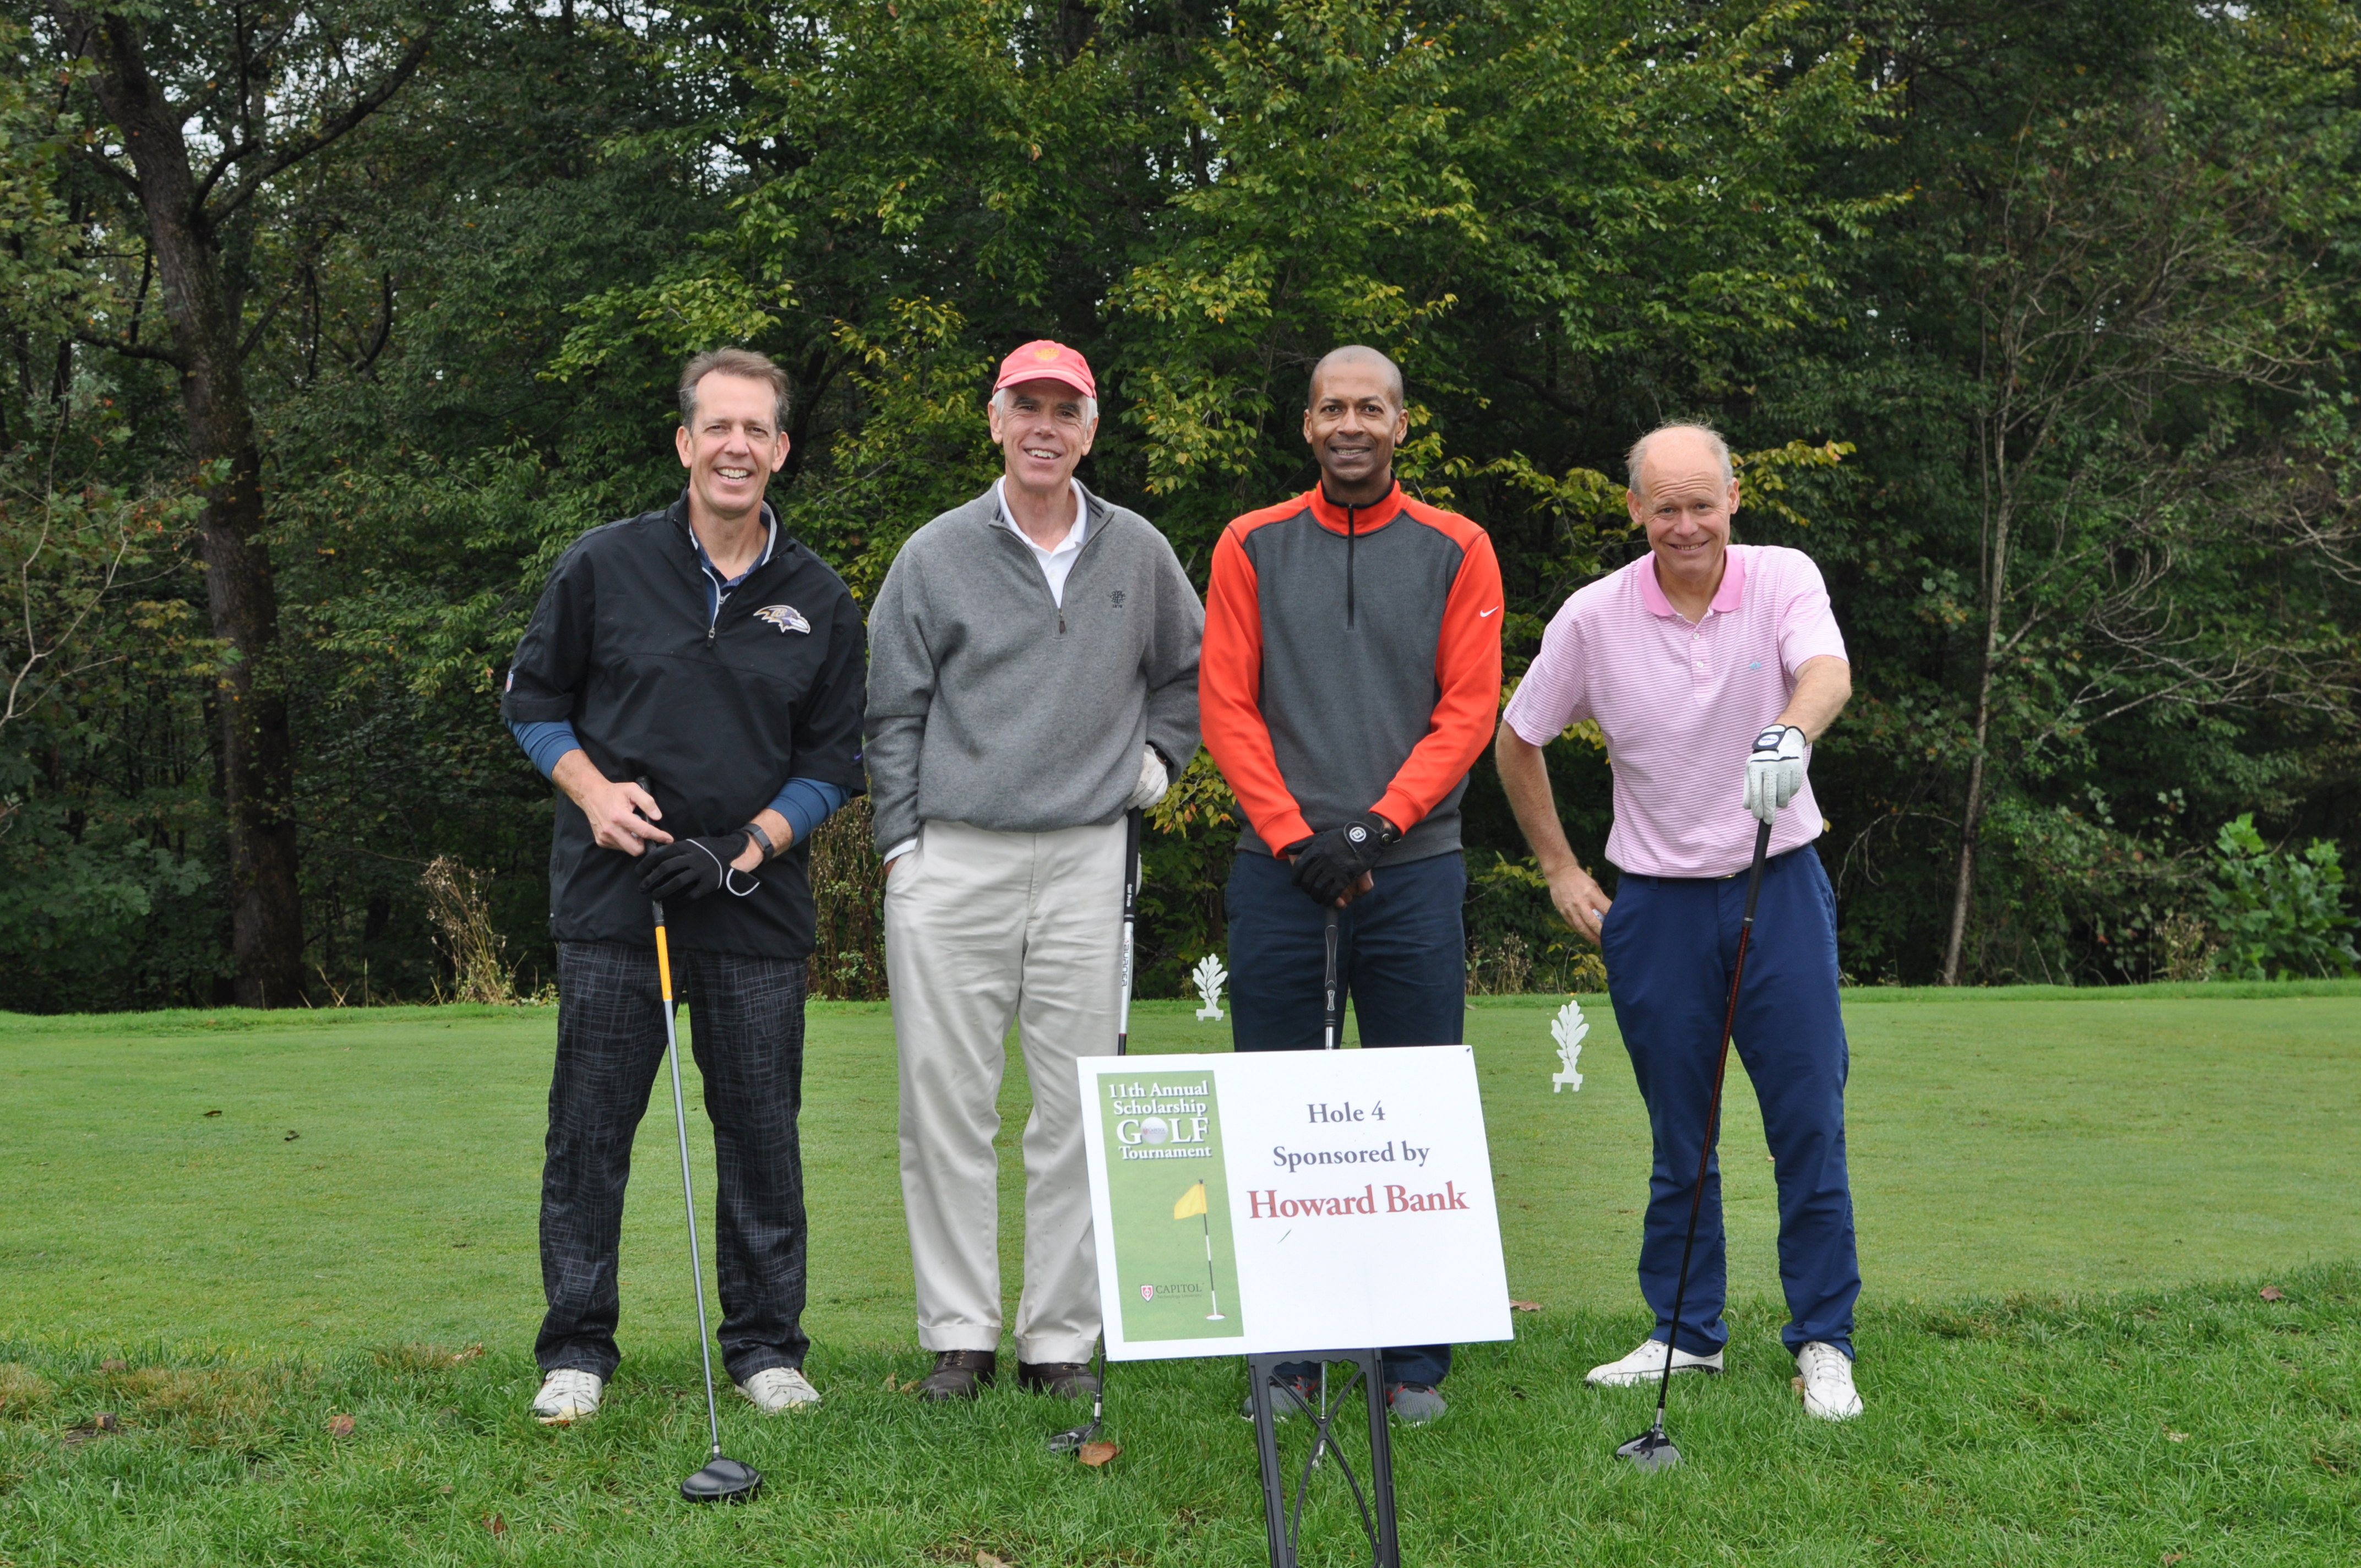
(1161, 1121)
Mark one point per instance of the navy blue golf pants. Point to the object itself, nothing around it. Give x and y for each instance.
(1670, 943)
(1401, 961)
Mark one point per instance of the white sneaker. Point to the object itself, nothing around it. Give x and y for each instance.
(1826, 1376)
(567, 1395)
(777, 1388)
(1646, 1364)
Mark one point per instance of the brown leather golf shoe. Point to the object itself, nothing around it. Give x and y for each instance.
(1066, 1379)
(958, 1375)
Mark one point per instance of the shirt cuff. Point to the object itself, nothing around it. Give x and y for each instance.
(900, 849)
(805, 803)
(544, 740)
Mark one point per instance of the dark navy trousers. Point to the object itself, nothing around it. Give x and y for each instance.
(1670, 943)
(1401, 961)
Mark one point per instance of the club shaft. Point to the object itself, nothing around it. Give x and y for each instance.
(1332, 1016)
(687, 1186)
(1130, 924)
(1713, 1112)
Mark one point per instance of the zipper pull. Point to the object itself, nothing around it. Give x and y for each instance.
(708, 634)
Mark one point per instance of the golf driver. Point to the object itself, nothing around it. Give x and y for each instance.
(1071, 1440)
(723, 1479)
(1652, 1449)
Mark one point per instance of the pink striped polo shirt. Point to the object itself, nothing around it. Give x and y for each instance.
(1680, 705)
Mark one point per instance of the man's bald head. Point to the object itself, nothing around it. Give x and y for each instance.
(1357, 357)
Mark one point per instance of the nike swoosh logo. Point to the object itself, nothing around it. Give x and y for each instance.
(1482, 613)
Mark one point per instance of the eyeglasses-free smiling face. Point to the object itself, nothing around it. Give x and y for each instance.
(1685, 504)
(1043, 431)
(732, 445)
(1353, 423)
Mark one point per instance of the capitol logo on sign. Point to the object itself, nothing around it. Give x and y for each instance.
(1148, 1292)
(785, 616)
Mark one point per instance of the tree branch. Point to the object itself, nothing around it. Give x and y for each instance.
(131, 350)
(91, 157)
(362, 106)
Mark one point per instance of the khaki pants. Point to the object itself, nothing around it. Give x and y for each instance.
(980, 928)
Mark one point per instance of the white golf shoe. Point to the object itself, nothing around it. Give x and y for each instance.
(567, 1395)
(777, 1388)
(1826, 1372)
(1646, 1364)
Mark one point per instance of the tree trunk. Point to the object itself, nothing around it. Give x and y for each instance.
(1963, 889)
(257, 751)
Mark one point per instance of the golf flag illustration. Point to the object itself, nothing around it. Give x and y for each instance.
(1192, 1203)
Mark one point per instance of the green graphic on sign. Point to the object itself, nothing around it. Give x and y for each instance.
(1171, 1207)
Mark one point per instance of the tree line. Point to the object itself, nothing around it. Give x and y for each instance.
(327, 325)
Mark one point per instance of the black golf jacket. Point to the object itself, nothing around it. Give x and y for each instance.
(717, 710)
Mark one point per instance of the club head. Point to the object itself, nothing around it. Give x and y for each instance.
(723, 1480)
(1071, 1440)
(1651, 1450)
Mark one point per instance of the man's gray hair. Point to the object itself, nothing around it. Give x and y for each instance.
(1639, 453)
(1090, 404)
(743, 363)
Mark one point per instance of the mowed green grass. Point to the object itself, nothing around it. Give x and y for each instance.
(2067, 1205)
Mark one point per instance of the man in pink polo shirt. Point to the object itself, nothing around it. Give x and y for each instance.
(1710, 667)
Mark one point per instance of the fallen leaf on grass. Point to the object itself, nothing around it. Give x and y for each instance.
(292, 1135)
(470, 1353)
(986, 1560)
(892, 1385)
(340, 1426)
(2272, 1293)
(447, 1491)
(2170, 1558)
(1096, 1453)
(1797, 1383)
(1517, 1306)
(114, 1365)
(496, 1524)
(105, 1422)
(212, 1112)
(2176, 1437)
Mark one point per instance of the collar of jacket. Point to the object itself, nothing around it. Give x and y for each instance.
(781, 544)
(1377, 514)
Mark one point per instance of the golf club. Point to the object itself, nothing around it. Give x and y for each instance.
(1332, 1029)
(1071, 1440)
(1652, 1449)
(723, 1479)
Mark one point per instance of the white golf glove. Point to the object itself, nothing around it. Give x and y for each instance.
(1153, 780)
(1776, 771)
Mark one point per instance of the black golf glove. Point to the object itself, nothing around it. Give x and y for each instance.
(1332, 864)
(691, 867)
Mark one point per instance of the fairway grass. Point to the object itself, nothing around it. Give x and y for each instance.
(2068, 1206)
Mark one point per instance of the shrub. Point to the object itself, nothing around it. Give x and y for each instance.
(2280, 914)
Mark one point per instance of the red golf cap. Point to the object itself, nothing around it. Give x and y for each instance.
(1042, 360)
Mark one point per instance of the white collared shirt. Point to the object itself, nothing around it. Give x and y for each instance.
(1057, 562)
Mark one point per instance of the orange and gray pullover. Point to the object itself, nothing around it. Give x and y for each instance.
(1350, 663)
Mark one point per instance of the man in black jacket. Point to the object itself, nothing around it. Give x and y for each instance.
(702, 649)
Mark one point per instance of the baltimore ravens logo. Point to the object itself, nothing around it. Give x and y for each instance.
(785, 616)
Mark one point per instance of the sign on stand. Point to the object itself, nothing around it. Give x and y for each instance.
(1296, 1205)
(1286, 1200)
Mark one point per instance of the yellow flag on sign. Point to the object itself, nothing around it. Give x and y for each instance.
(1192, 1203)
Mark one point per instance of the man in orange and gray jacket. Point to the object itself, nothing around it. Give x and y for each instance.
(1350, 677)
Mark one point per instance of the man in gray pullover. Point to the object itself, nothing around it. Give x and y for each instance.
(1032, 676)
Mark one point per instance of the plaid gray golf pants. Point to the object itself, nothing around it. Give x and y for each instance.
(748, 1038)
